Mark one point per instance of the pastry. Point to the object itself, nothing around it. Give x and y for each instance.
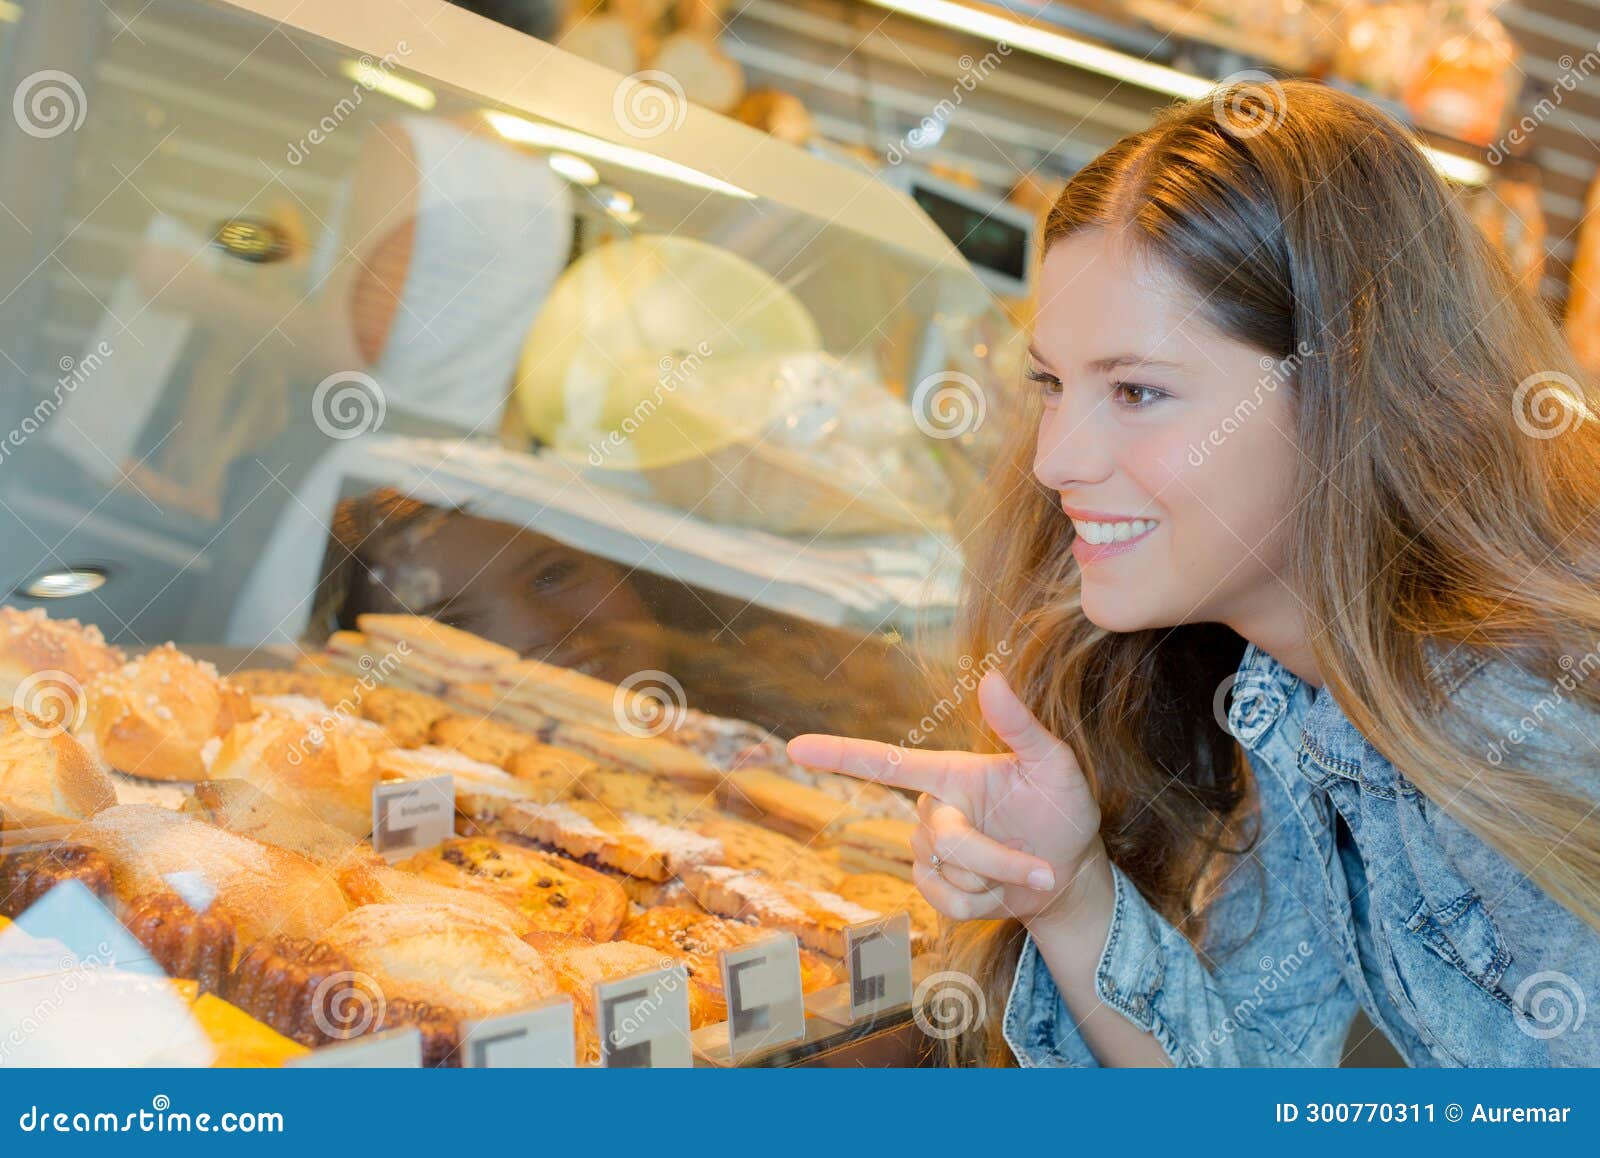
(199, 945)
(325, 772)
(263, 890)
(482, 791)
(28, 873)
(890, 894)
(480, 739)
(241, 807)
(49, 662)
(551, 773)
(639, 753)
(354, 653)
(626, 842)
(698, 938)
(776, 801)
(560, 692)
(153, 716)
(552, 892)
(46, 777)
(750, 847)
(407, 716)
(652, 796)
(372, 881)
(342, 719)
(876, 845)
(445, 653)
(580, 964)
(336, 691)
(312, 994)
(481, 697)
(816, 916)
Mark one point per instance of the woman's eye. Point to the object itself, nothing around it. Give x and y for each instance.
(553, 575)
(1138, 400)
(1049, 384)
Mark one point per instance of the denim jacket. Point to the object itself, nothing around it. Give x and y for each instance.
(1359, 891)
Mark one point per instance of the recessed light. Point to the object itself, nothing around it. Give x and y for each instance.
(65, 583)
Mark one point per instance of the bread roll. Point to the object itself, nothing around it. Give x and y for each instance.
(46, 777)
(154, 716)
(327, 773)
(49, 662)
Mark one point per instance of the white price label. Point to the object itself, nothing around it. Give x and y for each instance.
(878, 957)
(397, 1049)
(766, 1006)
(412, 815)
(643, 1020)
(541, 1037)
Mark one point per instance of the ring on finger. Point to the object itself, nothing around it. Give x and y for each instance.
(936, 862)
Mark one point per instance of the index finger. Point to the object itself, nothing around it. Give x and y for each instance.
(941, 774)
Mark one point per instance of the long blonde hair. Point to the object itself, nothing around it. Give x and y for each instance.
(1448, 494)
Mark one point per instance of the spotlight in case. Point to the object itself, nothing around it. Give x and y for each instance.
(64, 583)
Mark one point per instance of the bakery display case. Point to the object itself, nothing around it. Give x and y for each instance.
(441, 474)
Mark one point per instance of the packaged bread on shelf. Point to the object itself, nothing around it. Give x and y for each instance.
(156, 716)
(46, 776)
(551, 892)
(45, 664)
(624, 842)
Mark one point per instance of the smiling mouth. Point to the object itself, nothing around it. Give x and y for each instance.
(1096, 533)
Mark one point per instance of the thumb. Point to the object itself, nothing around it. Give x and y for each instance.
(1017, 727)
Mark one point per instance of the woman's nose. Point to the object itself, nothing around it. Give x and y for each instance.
(1072, 449)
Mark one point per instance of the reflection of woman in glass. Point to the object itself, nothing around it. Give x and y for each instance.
(549, 601)
(1294, 552)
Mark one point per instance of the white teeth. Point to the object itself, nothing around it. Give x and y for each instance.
(1112, 532)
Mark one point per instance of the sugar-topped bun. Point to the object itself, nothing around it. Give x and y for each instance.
(154, 716)
(46, 777)
(46, 663)
(329, 773)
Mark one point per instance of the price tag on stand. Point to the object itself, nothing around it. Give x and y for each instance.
(877, 956)
(539, 1037)
(766, 1006)
(397, 1049)
(643, 1020)
(409, 816)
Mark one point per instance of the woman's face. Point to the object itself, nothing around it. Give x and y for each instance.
(1151, 414)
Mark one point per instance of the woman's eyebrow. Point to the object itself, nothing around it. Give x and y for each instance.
(1122, 361)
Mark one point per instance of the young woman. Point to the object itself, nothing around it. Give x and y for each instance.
(1301, 439)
